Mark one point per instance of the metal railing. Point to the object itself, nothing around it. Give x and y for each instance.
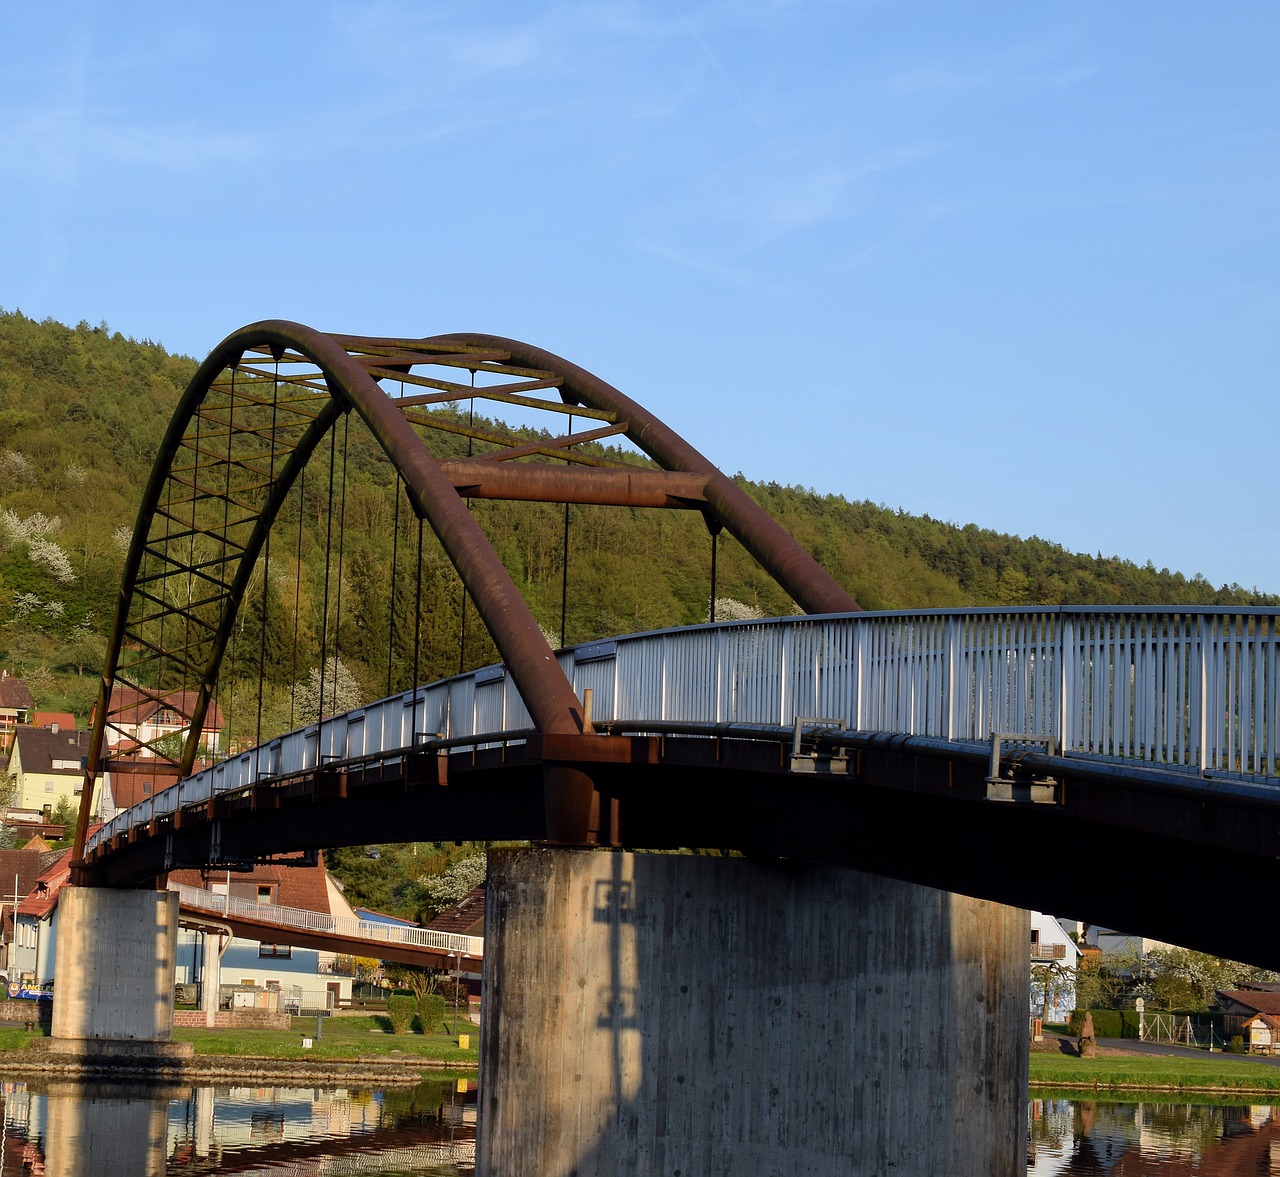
(374, 934)
(1195, 689)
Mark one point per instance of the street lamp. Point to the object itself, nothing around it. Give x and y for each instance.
(454, 957)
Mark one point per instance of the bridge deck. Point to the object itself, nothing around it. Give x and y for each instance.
(1149, 738)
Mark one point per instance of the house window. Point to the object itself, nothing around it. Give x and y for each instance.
(278, 951)
(1035, 935)
(266, 892)
(146, 787)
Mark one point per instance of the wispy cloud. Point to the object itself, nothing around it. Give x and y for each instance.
(1038, 65)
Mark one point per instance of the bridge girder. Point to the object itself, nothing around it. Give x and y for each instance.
(1137, 853)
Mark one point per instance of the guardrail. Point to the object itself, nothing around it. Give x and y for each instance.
(466, 947)
(1195, 689)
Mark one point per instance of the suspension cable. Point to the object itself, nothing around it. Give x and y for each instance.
(324, 621)
(297, 596)
(266, 561)
(714, 526)
(417, 614)
(715, 539)
(342, 536)
(564, 565)
(395, 548)
(226, 516)
(462, 617)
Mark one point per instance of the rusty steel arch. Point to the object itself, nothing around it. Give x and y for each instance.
(253, 415)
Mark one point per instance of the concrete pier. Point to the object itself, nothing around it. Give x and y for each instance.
(114, 995)
(685, 1015)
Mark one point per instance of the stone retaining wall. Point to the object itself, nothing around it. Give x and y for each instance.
(234, 1019)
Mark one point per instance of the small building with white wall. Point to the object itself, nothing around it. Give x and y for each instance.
(1054, 958)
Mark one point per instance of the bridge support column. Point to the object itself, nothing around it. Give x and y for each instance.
(682, 1015)
(114, 994)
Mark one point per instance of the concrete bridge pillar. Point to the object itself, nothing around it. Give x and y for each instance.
(684, 1015)
(116, 956)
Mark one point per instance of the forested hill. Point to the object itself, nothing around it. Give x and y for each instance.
(82, 412)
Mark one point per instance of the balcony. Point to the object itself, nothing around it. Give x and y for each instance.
(1048, 951)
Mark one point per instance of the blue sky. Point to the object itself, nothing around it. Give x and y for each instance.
(1009, 264)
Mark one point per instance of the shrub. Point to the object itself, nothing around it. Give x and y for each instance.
(1107, 1023)
(400, 1013)
(430, 1012)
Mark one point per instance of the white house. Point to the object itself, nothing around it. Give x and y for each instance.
(1054, 957)
(303, 978)
(135, 720)
(35, 947)
(1112, 943)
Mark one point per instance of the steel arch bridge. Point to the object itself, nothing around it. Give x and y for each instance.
(1141, 747)
(258, 409)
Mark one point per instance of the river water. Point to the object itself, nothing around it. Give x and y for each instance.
(65, 1130)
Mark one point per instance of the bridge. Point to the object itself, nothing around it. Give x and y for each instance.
(992, 740)
(273, 923)
(1101, 764)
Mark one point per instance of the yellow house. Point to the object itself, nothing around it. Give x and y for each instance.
(48, 765)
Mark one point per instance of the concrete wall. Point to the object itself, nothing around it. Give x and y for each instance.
(115, 974)
(686, 1015)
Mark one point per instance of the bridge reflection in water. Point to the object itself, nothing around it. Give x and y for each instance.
(66, 1129)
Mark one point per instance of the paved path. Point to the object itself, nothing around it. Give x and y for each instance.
(1167, 1048)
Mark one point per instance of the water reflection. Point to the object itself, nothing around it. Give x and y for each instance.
(1159, 1138)
(76, 1129)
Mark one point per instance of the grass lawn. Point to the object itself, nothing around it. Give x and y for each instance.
(341, 1038)
(16, 1038)
(1217, 1072)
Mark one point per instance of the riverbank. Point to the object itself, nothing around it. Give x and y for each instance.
(1115, 1069)
(348, 1049)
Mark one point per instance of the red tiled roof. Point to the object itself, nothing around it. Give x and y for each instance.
(44, 895)
(296, 886)
(1256, 999)
(14, 694)
(130, 706)
(464, 918)
(25, 865)
(64, 719)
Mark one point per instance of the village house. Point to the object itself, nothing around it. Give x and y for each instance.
(16, 706)
(138, 719)
(35, 946)
(19, 871)
(1054, 959)
(1251, 1014)
(269, 975)
(465, 918)
(301, 978)
(48, 766)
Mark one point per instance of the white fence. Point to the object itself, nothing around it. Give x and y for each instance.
(1196, 689)
(374, 934)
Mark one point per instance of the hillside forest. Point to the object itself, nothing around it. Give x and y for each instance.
(82, 414)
